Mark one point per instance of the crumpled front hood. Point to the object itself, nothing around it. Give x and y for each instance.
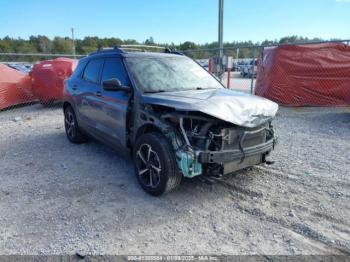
(235, 107)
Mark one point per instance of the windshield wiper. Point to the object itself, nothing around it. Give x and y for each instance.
(178, 89)
(201, 88)
(155, 91)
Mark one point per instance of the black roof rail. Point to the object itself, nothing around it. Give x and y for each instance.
(142, 48)
(135, 48)
(145, 47)
(114, 49)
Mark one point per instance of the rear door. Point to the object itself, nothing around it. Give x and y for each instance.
(89, 105)
(114, 103)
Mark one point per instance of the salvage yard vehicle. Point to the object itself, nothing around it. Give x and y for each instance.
(174, 117)
(48, 79)
(250, 69)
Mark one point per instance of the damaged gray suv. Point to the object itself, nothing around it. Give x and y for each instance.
(174, 117)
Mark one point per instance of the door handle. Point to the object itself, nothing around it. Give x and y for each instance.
(75, 87)
(98, 93)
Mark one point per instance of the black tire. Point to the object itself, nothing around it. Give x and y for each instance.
(162, 174)
(73, 131)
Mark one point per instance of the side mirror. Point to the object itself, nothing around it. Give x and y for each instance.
(114, 84)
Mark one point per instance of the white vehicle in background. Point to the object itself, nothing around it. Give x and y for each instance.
(24, 68)
(204, 63)
(250, 69)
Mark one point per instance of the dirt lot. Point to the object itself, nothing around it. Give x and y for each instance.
(59, 198)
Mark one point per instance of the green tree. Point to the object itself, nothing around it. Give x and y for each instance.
(150, 41)
(5, 47)
(188, 46)
(41, 43)
(62, 45)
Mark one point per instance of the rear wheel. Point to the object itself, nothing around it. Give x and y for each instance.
(155, 164)
(73, 131)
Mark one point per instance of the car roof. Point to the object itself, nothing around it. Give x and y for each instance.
(150, 54)
(132, 53)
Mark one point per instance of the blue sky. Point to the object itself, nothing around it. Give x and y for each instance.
(176, 20)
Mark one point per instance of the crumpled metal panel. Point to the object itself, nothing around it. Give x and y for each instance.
(235, 107)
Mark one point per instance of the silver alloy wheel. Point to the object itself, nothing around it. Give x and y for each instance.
(148, 166)
(70, 124)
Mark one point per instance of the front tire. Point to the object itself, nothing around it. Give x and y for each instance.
(155, 164)
(73, 131)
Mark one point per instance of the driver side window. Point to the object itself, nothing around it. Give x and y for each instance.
(114, 68)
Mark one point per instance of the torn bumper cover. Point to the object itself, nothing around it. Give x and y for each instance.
(207, 157)
(217, 131)
(242, 152)
(226, 152)
(235, 159)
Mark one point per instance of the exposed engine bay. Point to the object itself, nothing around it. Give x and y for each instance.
(205, 145)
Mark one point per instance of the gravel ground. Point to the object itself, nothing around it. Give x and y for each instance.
(59, 198)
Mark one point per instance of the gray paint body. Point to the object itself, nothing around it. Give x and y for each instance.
(108, 115)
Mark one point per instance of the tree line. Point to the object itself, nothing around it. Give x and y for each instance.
(64, 45)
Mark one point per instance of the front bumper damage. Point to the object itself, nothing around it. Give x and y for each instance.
(236, 159)
(226, 156)
(238, 152)
(205, 145)
(196, 122)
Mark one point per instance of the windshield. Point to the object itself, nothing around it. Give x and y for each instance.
(167, 74)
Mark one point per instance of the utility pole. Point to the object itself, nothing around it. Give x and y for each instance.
(221, 32)
(73, 42)
(221, 27)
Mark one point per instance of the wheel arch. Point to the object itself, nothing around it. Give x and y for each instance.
(147, 128)
(65, 105)
(143, 129)
(159, 143)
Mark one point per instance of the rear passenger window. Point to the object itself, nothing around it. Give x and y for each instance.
(80, 68)
(92, 70)
(114, 68)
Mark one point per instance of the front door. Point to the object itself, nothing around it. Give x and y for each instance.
(114, 103)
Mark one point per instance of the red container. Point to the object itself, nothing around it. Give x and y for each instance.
(48, 78)
(15, 87)
(305, 75)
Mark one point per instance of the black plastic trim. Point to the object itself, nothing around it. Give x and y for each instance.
(227, 156)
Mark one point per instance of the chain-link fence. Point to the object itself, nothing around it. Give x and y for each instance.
(306, 74)
(323, 64)
(236, 69)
